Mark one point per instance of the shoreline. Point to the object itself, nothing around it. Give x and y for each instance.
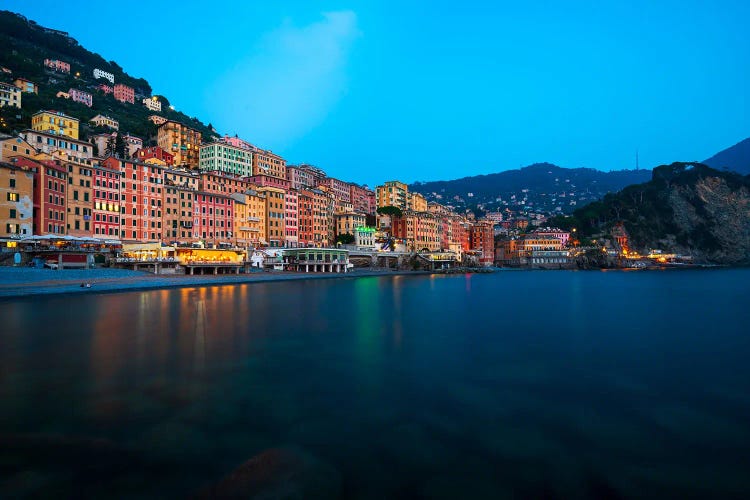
(25, 282)
(136, 281)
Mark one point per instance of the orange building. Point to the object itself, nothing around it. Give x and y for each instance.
(267, 163)
(141, 199)
(482, 241)
(16, 200)
(180, 141)
(80, 200)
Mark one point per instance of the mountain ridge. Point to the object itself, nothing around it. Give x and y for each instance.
(735, 158)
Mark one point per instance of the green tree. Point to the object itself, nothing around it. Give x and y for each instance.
(345, 239)
(121, 149)
(390, 210)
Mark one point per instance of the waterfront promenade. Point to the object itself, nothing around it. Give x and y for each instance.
(22, 282)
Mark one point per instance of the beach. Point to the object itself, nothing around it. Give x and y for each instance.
(24, 281)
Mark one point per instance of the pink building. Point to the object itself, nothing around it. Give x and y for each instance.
(269, 181)
(341, 190)
(362, 199)
(123, 93)
(553, 232)
(291, 218)
(106, 210)
(237, 142)
(56, 65)
(105, 88)
(80, 96)
(212, 218)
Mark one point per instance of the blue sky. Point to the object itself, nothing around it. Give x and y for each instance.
(371, 91)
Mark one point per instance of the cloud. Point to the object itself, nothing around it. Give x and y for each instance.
(288, 83)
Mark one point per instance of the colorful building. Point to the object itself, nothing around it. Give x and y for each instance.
(482, 241)
(10, 95)
(56, 123)
(123, 93)
(267, 163)
(155, 152)
(59, 146)
(291, 218)
(105, 121)
(26, 85)
(346, 223)
(181, 141)
(250, 219)
(393, 194)
(106, 196)
(106, 89)
(16, 200)
(57, 65)
(79, 210)
(152, 103)
(363, 199)
(132, 143)
(275, 211)
(80, 96)
(213, 218)
(223, 157)
(140, 199)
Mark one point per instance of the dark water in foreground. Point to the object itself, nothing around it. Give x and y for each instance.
(517, 384)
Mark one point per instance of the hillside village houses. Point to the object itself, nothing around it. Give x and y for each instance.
(179, 188)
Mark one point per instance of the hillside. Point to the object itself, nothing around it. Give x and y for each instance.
(25, 46)
(736, 158)
(688, 208)
(541, 187)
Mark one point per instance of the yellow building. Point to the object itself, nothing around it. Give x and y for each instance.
(250, 219)
(530, 243)
(16, 200)
(16, 146)
(346, 223)
(275, 213)
(417, 202)
(181, 141)
(54, 122)
(268, 163)
(393, 194)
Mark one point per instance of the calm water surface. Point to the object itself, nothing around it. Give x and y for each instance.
(515, 384)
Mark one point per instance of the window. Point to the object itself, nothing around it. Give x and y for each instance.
(12, 196)
(12, 183)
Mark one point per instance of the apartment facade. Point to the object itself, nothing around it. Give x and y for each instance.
(123, 93)
(223, 157)
(57, 65)
(98, 73)
(275, 211)
(16, 200)
(106, 206)
(105, 121)
(80, 96)
(79, 220)
(60, 146)
(268, 163)
(56, 123)
(10, 95)
(152, 103)
(141, 188)
(180, 141)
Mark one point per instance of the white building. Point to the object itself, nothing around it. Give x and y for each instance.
(106, 121)
(103, 74)
(364, 237)
(225, 158)
(152, 103)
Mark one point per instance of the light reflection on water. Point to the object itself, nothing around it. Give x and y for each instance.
(526, 384)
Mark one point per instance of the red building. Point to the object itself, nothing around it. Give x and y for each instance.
(141, 186)
(482, 240)
(156, 152)
(123, 93)
(106, 197)
(50, 180)
(212, 218)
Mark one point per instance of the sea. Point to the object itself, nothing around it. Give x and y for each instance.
(515, 384)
